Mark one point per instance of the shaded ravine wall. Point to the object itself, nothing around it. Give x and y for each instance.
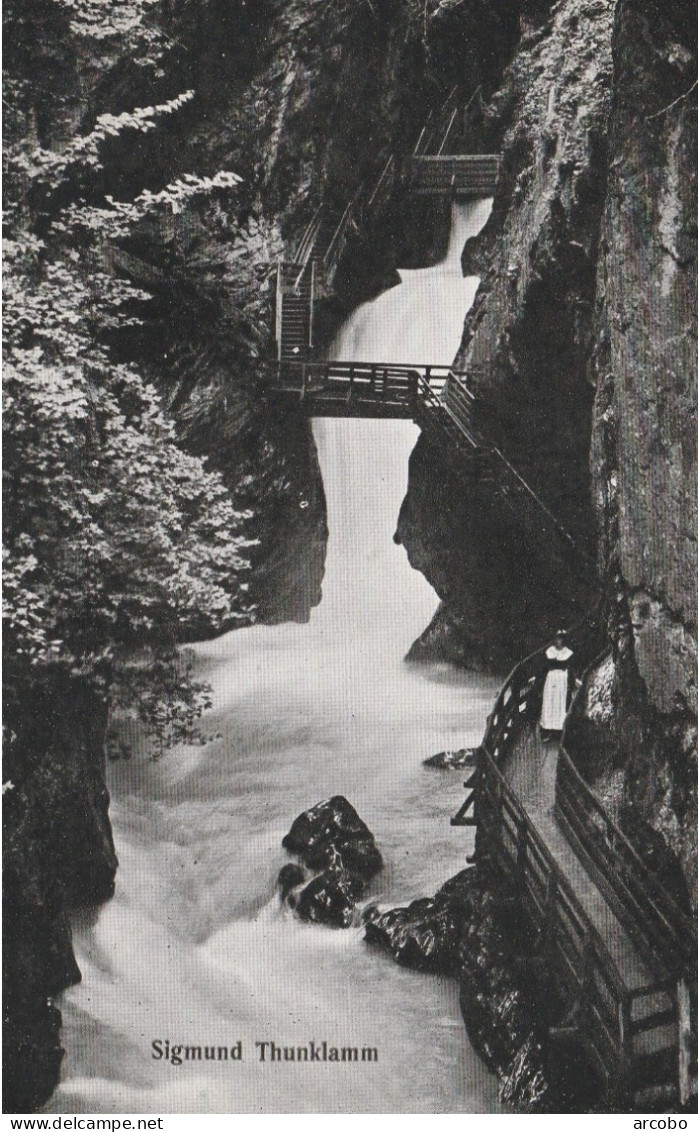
(582, 351)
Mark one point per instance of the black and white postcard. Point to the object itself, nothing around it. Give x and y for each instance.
(350, 496)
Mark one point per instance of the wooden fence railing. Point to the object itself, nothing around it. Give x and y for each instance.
(662, 931)
(466, 174)
(377, 376)
(519, 496)
(519, 698)
(633, 1034)
(640, 1038)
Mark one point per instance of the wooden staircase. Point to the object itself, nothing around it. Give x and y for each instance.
(295, 308)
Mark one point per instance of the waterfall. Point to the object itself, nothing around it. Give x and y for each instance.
(195, 948)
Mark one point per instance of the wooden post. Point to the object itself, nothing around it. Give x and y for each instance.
(683, 1015)
(521, 853)
(279, 303)
(414, 387)
(623, 1082)
(311, 316)
(550, 901)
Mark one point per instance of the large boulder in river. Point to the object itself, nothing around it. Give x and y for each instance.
(332, 834)
(426, 934)
(332, 839)
(330, 898)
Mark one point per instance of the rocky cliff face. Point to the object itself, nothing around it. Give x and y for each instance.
(59, 855)
(582, 351)
(645, 477)
(526, 345)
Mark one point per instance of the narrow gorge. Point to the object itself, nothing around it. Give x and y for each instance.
(257, 562)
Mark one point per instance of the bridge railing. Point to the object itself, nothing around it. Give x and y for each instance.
(472, 174)
(607, 1016)
(663, 932)
(431, 414)
(645, 1033)
(294, 376)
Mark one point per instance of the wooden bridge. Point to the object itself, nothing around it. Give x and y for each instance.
(614, 957)
(438, 399)
(358, 389)
(464, 176)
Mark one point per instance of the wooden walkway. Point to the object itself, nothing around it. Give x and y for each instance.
(358, 389)
(464, 176)
(438, 399)
(606, 939)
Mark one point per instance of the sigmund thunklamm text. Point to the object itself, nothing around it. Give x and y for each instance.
(268, 1052)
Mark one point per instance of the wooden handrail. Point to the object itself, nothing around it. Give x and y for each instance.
(662, 923)
(448, 130)
(528, 490)
(665, 935)
(389, 165)
(330, 255)
(609, 1014)
(521, 677)
(305, 246)
(436, 373)
(605, 962)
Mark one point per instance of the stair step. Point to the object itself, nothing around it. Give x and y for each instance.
(656, 1098)
(656, 1068)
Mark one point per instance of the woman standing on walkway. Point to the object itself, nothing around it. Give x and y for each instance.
(555, 689)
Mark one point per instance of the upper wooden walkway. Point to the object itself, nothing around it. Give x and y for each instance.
(464, 176)
(615, 956)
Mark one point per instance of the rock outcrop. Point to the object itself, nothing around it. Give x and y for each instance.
(452, 760)
(332, 839)
(468, 931)
(59, 855)
(332, 835)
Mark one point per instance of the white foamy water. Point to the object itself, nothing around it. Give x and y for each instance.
(194, 947)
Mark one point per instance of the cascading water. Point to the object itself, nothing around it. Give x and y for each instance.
(195, 948)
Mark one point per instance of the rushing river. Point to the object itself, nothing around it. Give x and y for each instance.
(195, 948)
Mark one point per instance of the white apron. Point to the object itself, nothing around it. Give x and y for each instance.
(554, 710)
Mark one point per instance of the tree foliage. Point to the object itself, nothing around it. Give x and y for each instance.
(117, 542)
